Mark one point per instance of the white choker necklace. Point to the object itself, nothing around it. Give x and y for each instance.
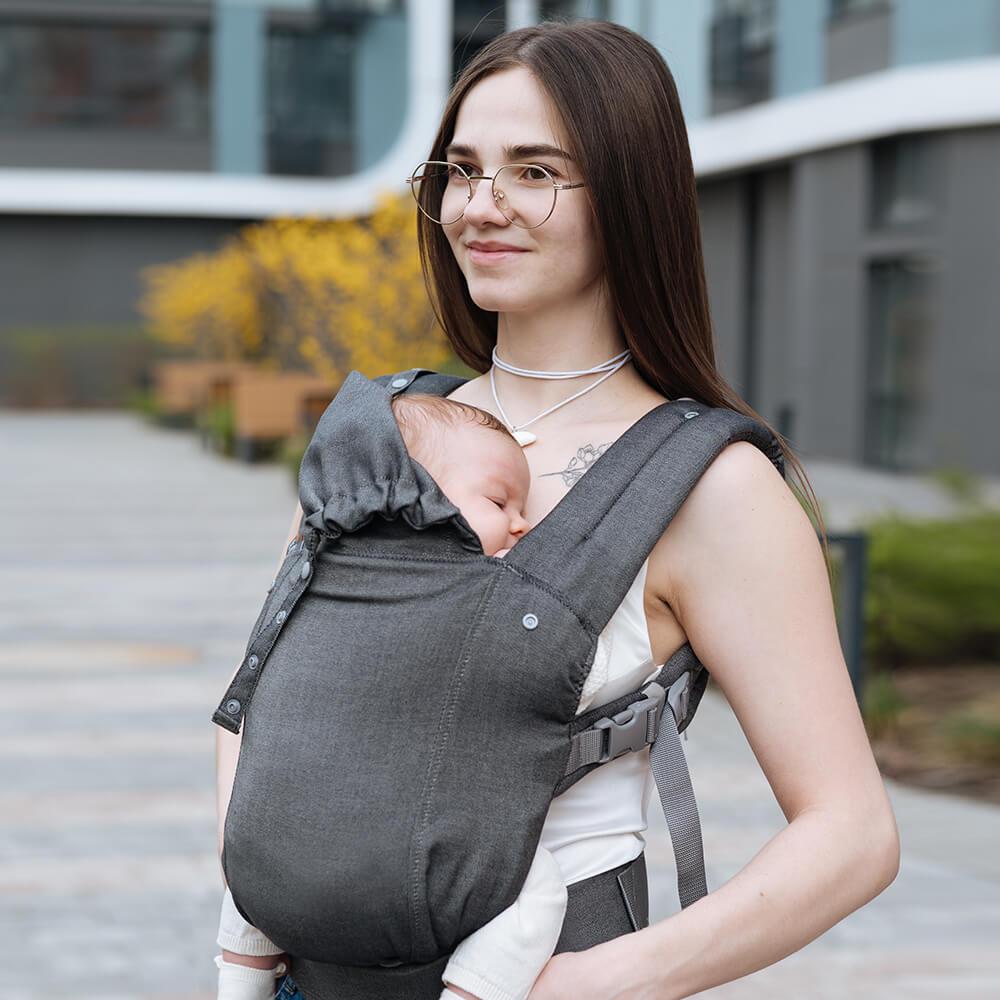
(524, 438)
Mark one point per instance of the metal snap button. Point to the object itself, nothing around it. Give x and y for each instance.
(232, 706)
(530, 621)
(305, 569)
(690, 414)
(398, 383)
(252, 661)
(280, 616)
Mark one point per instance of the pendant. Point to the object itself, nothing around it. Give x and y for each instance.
(524, 438)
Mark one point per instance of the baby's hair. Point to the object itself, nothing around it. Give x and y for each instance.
(424, 420)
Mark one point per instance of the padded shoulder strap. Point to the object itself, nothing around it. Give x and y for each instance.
(614, 515)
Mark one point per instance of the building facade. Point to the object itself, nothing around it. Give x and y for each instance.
(847, 153)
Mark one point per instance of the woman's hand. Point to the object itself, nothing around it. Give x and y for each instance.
(604, 972)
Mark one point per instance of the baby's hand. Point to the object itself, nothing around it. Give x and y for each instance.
(244, 982)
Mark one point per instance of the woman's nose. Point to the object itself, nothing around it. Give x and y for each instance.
(483, 207)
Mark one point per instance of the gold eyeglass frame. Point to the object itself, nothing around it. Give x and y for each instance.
(556, 188)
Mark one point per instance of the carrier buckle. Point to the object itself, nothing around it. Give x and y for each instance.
(634, 727)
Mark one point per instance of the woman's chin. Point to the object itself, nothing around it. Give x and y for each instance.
(490, 297)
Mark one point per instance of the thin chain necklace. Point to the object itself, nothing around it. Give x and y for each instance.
(523, 437)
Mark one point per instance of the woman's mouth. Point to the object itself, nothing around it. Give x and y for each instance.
(492, 256)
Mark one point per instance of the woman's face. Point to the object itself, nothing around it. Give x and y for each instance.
(558, 259)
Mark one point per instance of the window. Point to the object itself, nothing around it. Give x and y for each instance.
(567, 10)
(81, 75)
(845, 8)
(310, 87)
(742, 44)
(902, 180)
(896, 370)
(475, 23)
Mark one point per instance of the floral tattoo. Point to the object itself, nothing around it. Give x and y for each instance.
(578, 465)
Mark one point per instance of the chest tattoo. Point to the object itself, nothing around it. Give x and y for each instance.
(579, 463)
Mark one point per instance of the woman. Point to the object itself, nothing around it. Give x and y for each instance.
(739, 573)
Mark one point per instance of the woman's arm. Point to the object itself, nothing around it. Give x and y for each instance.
(750, 588)
(227, 752)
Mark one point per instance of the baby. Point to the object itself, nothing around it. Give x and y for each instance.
(481, 469)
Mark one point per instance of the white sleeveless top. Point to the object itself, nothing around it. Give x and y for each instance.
(597, 823)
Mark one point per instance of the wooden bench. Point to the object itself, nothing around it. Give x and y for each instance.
(269, 407)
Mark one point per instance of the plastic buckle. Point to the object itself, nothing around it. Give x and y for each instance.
(627, 730)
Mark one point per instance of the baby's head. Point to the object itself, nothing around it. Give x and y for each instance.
(475, 460)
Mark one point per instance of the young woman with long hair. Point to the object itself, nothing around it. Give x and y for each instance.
(612, 281)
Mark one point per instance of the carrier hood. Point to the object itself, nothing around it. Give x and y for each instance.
(357, 467)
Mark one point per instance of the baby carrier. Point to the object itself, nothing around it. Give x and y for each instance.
(409, 702)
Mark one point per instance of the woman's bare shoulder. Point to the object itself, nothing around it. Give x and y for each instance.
(742, 492)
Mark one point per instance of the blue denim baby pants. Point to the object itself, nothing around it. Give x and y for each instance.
(287, 990)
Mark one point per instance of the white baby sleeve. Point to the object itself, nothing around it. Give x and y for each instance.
(240, 936)
(502, 960)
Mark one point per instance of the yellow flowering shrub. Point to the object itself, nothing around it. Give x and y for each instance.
(328, 295)
(205, 304)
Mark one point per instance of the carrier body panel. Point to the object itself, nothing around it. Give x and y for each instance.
(417, 710)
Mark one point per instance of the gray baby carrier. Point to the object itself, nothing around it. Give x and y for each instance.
(409, 703)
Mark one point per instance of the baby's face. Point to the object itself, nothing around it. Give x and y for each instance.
(487, 478)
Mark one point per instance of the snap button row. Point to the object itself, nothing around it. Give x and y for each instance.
(530, 621)
(305, 569)
(398, 383)
(232, 706)
(252, 661)
(280, 616)
(690, 414)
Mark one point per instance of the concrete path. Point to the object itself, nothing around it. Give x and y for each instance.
(132, 564)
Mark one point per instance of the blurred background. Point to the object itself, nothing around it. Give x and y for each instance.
(204, 227)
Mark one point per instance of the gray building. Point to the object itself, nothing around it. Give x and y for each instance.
(847, 151)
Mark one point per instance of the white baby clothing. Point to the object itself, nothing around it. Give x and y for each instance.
(595, 825)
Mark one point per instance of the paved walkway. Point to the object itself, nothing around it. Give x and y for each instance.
(132, 564)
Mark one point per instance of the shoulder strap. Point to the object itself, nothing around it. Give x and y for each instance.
(614, 515)
(631, 494)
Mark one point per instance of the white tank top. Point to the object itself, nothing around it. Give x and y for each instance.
(597, 823)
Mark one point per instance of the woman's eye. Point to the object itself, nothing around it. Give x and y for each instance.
(541, 174)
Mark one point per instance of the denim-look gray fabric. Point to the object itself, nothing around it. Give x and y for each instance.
(401, 749)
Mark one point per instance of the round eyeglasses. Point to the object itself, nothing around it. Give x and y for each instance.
(524, 192)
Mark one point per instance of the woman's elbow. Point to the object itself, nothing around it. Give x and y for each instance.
(884, 854)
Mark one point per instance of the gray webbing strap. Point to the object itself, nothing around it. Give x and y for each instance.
(673, 782)
(632, 729)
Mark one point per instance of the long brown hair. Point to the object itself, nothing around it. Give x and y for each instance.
(626, 131)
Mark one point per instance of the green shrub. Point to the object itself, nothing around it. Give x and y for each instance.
(90, 366)
(959, 484)
(292, 450)
(882, 704)
(973, 736)
(217, 426)
(933, 591)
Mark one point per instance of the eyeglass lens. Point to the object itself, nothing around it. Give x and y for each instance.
(524, 193)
